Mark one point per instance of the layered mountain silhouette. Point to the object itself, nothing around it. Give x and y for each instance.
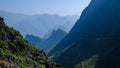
(94, 41)
(39, 24)
(49, 43)
(15, 52)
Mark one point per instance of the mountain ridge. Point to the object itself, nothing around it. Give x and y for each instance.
(46, 44)
(95, 33)
(42, 23)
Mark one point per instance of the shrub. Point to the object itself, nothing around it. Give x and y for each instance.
(41, 66)
(2, 43)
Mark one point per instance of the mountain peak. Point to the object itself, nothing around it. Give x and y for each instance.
(97, 32)
(47, 43)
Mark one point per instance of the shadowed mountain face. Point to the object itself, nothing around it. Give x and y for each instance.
(39, 24)
(97, 32)
(46, 44)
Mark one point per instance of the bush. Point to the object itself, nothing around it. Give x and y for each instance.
(42, 66)
(2, 43)
(12, 31)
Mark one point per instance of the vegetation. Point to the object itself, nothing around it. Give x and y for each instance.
(89, 63)
(15, 52)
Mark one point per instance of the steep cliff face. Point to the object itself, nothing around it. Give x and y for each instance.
(15, 52)
(97, 32)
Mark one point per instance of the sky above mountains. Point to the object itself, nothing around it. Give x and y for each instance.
(61, 7)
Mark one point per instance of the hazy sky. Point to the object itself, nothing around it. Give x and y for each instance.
(61, 7)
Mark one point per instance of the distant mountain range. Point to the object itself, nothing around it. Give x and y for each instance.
(39, 24)
(94, 41)
(16, 52)
(49, 43)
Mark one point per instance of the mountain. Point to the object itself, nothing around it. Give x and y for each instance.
(34, 40)
(39, 24)
(94, 41)
(47, 44)
(15, 52)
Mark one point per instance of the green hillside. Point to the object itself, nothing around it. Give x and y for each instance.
(15, 52)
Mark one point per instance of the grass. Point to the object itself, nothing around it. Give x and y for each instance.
(23, 66)
(17, 58)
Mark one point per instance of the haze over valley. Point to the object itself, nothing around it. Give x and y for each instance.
(60, 34)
